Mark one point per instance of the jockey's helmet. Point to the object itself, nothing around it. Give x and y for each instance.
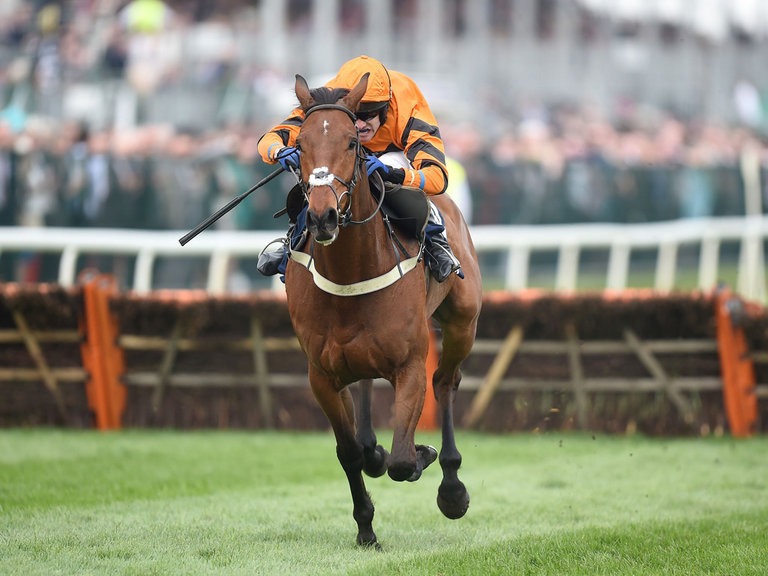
(379, 89)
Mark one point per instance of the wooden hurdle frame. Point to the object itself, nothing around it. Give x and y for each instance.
(106, 377)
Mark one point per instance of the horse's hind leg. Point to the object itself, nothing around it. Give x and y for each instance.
(374, 454)
(452, 496)
(339, 408)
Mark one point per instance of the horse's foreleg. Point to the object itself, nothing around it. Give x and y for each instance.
(410, 387)
(339, 409)
(374, 455)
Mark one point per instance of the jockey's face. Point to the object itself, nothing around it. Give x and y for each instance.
(367, 128)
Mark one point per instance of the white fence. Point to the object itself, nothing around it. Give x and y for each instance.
(708, 234)
(516, 244)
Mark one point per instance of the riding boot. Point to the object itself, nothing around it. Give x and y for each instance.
(271, 261)
(275, 261)
(440, 258)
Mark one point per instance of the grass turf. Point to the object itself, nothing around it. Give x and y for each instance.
(163, 502)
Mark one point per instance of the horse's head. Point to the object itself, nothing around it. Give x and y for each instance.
(330, 154)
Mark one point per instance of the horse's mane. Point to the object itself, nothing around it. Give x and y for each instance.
(325, 95)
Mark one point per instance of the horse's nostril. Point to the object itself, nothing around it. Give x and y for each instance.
(331, 218)
(324, 226)
(312, 220)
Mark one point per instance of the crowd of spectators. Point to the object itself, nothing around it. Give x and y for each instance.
(572, 165)
(153, 177)
(524, 166)
(565, 168)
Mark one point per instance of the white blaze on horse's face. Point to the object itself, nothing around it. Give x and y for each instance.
(326, 124)
(320, 177)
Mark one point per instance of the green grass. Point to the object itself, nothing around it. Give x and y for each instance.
(148, 502)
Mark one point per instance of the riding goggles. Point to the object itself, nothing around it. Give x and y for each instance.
(368, 113)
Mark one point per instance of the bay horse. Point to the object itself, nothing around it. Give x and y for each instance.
(361, 311)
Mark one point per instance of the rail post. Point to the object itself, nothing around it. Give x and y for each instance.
(102, 358)
(428, 419)
(736, 367)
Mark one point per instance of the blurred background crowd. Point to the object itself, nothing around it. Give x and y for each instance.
(146, 114)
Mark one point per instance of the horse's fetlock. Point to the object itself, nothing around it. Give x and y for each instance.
(450, 461)
(363, 515)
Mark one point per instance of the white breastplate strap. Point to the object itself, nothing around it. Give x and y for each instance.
(358, 288)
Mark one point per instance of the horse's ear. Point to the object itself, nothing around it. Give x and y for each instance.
(302, 92)
(352, 99)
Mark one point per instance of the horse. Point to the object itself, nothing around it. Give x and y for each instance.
(361, 310)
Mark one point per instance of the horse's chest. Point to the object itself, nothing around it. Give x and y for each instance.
(336, 352)
(353, 356)
(355, 339)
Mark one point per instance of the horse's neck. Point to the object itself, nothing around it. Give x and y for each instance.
(371, 236)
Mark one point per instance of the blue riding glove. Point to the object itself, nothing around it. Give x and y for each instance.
(288, 157)
(372, 163)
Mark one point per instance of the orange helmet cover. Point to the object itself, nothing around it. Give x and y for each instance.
(379, 84)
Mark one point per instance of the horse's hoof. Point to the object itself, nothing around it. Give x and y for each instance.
(426, 454)
(453, 499)
(376, 464)
(368, 541)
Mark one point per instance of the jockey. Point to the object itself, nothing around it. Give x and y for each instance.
(393, 120)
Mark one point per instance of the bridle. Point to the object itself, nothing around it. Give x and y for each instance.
(322, 177)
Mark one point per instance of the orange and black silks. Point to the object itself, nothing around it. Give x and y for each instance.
(410, 126)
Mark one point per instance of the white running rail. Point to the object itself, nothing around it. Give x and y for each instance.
(516, 243)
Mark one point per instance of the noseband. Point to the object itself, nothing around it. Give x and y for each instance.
(323, 177)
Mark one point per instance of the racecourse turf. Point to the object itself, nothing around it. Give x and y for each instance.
(248, 503)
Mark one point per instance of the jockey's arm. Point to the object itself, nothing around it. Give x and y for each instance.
(425, 151)
(430, 177)
(282, 135)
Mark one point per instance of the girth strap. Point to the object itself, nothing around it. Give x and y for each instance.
(357, 288)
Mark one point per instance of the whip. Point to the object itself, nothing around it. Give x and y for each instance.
(224, 209)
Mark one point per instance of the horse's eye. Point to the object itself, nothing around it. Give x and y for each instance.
(353, 143)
